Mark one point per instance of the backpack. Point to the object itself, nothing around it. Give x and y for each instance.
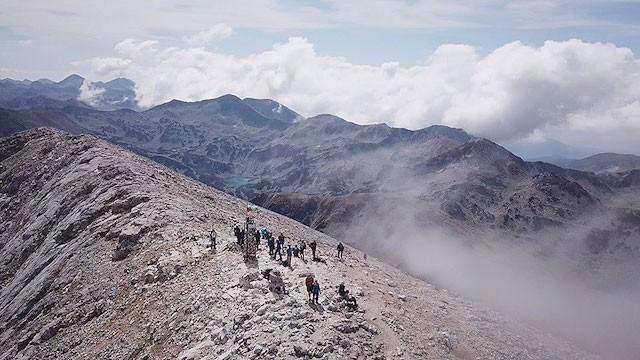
(309, 280)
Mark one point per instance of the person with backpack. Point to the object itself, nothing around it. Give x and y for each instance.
(213, 235)
(271, 245)
(309, 283)
(281, 239)
(313, 246)
(301, 249)
(351, 300)
(316, 291)
(236, 233)
(278, 250)
(340, 250)
(289, 253)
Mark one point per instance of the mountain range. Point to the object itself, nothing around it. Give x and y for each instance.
(600, 163)
(74, 89)
(357, 181)
(439, 203)
(548, 149)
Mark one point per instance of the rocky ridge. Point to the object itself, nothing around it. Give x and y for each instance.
(106, 255)
(313, 169)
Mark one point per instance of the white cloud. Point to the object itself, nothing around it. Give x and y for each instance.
(26, 43)
(216, 32)
(89, 93)
(109, 65)
(513, 92)
(517, 89)
(132, 49)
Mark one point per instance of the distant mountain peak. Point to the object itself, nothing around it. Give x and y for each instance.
(273, 110)
(228, 97)
(72, 80)
(175, 102)
(121, 83)
(601, 163)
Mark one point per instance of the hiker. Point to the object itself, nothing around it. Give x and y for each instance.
(289, 253)
(236, 232)
(340, 250)
(316, 291)
(351, 300)
(278, 250)
(313, 246)
(302, 247)
(309, 283)
(257, 239)
(281, 238)
(270, 244)
(266, 272)
(213, 235)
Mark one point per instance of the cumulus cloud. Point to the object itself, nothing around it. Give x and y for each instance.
(518, 89)
(26, 43)
(132, 49)
(216, 32)
(90, 93)
(512, 92)
(109, 65)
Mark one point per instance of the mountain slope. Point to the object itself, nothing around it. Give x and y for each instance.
(313, 169)
(273, 110)
(547, 150)
(104, 256)
(602, 163)
(115, 94)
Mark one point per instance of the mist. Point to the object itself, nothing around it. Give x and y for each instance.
(537, 281)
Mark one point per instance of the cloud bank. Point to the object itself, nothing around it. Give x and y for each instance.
(216, 32)
(90, 93)
(515, 91)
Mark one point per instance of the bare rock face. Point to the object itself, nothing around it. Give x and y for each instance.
(101, 257)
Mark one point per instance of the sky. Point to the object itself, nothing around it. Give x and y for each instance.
(512, 71)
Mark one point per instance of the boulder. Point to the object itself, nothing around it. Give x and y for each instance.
(247, 279)
(276, 284)
(151, 274)
(300, 352)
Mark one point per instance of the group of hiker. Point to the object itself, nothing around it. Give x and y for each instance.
(239, 234)
(313, 290)
(278, 248)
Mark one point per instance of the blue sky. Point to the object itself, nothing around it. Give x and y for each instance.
(43, 38)
(510, 70)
